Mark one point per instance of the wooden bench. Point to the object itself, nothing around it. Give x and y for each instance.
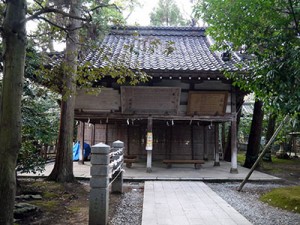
(197, 162)
(129, 159)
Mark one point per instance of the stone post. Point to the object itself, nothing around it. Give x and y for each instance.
(99, 194)
(117, 184)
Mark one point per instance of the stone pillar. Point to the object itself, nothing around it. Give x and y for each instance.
(234, 168)
(217, 154)
(99, 194)
(117, 184)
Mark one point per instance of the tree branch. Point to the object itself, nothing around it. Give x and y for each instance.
(106, 5)
(294, 17)
(53, 24)
(46, 10)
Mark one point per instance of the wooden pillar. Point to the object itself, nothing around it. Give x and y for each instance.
(205, 143)
(192, 142)
(149, 145)
(217, 154)
(234, 146)
(81, 152)
(128, 140)
(93, 134)
(106, 133)
(223, 140)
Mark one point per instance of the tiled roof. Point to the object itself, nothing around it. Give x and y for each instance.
(146, 48)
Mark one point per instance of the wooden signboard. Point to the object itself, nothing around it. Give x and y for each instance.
(150, 100)
(207, 103)
(107, 100)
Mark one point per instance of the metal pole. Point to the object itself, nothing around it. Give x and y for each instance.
(285, 120)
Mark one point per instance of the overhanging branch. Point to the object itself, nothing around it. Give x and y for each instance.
(52, 23)
(47, 10)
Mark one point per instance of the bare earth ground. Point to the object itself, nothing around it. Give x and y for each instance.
(288, 170)
(68, 203)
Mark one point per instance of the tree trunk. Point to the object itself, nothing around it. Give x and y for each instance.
(63, 168)
(255, 135)
(270, 131)
(14, 44)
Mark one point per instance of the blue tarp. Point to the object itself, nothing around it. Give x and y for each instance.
(76, 151)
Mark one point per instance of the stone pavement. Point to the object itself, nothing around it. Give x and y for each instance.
(186, 203)
(177, 196)
(208, 172)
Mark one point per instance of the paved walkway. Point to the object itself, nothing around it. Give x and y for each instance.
(208, 172)
(177, 196)
(186, 203)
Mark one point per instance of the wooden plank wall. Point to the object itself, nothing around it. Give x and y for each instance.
(181, 141)
(198, 142)
(109, 100)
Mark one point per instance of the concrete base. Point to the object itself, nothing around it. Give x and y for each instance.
(149, 170)
(234, 171)
(216, 163)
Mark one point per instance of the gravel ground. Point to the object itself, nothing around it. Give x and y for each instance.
(247, 203)
(129, 210)
(130, 207)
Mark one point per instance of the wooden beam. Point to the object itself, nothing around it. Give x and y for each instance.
(96, 116)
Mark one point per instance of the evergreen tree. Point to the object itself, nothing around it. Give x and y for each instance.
(167, 13)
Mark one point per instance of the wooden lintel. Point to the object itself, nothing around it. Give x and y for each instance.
(96, 117)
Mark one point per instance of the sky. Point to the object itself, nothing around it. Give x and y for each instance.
(141, 15)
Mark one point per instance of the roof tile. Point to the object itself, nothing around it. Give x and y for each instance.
(145, 48)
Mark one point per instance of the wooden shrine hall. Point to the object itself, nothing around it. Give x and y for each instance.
(176, 114)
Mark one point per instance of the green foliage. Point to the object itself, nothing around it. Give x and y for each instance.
(97, 18)
(244, 128)
(284, 136)
(241, 157)
(29, 159)
(287, 198)
(268, 31)
(40, 118)
(167, 13)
